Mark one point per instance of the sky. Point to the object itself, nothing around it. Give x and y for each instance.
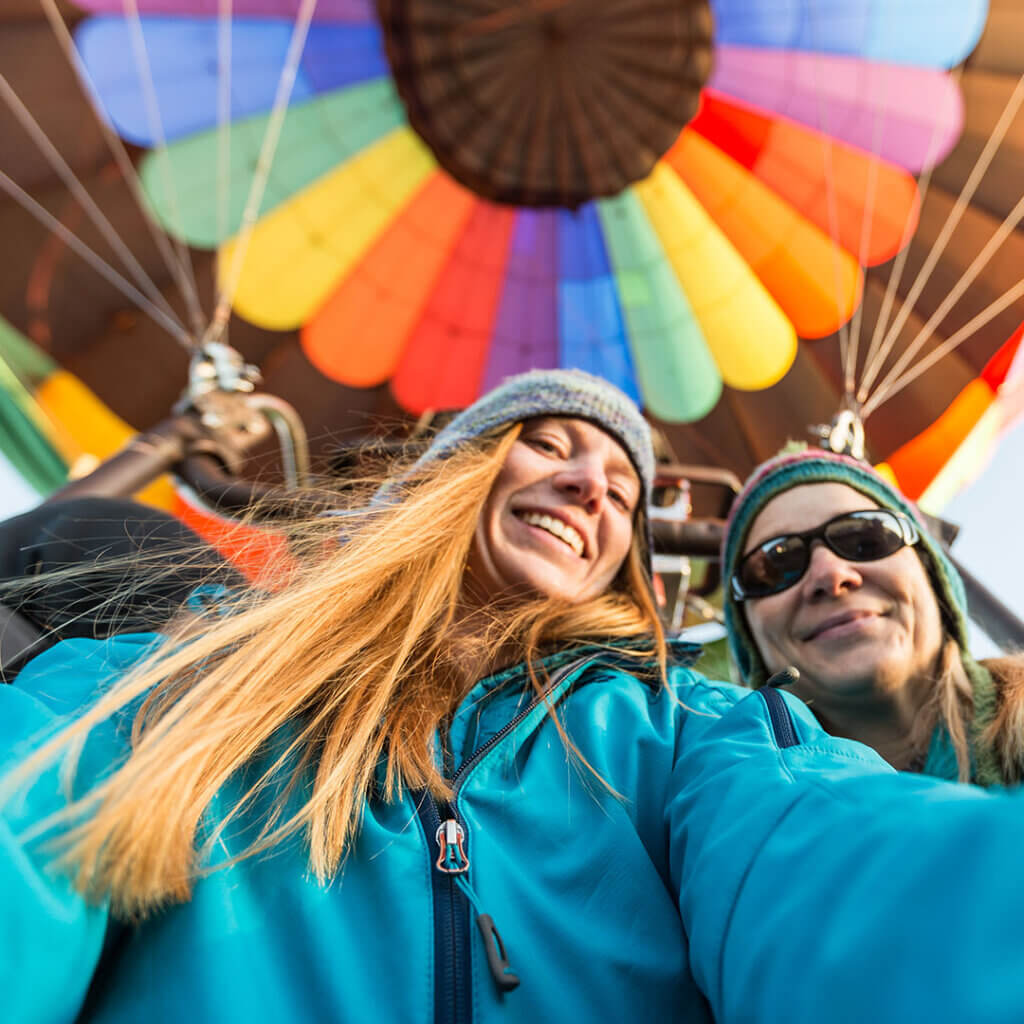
(991, 542)
(15, 495)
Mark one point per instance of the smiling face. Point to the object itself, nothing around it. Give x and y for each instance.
(559, 518)
(853, 629)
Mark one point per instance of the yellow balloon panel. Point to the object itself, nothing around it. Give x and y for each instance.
(813, 278)
(299, 253)
(751, 339)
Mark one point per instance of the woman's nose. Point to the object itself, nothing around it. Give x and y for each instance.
(585, 481)
(828, 575)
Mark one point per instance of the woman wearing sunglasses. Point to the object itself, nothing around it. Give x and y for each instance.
(831, 572)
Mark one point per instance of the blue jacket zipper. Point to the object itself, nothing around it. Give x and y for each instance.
(453, 996)
(781, 720)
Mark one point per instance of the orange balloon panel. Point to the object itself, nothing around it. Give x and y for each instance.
(918, 462)
(444, 362)
(835, 186)
(816, 282)
(358, 335)
(260, 555)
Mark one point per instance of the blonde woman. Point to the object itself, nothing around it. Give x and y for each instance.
(453, 772)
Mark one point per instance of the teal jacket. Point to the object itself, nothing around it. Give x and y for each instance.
(747, 867)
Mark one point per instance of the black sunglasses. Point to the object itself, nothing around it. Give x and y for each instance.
(779, 563)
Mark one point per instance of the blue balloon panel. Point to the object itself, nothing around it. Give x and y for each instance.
(930, 33)
(591, 330)
(182, 56)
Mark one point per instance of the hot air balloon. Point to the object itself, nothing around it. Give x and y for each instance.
(400, 121)
(754, 223)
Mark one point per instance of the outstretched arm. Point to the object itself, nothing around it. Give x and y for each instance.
(817, 884)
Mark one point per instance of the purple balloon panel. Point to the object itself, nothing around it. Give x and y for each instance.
(909, 116)
(525, 334)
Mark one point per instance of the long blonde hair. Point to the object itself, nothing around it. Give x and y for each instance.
(353, 653)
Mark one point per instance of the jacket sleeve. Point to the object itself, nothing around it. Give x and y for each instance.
(50, 936)
(815, 883)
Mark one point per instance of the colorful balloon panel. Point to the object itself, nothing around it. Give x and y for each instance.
(590, 323)
(897, 31)
(377, 304)
(316, 136)
(834, 186)
(182, 60)
(526, 328)
(61, 424)
(752, 218)
(908, 116)
(443, 365)
(260, 554)
(299, 252)
(677, 373)
(816, 282)
(725, 297)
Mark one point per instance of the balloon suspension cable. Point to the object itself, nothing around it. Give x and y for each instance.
(160, 154)
(175, 258)
(268, 148)
(833, 212)
(845, 434)
(223, 116)
(899, 372)
(853, 349)
(878, 350)
(963, 200)
(882, 395)
(93, 259)
(78, 190)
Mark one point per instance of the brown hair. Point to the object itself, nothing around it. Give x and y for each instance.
(947, 700)
(354, 653)
(1005, 733)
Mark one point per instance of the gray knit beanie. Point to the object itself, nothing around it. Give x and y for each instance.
(792, 468)
(553, 393)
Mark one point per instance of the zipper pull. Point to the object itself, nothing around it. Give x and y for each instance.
(451, 859)
(497, 959)
(784, 677)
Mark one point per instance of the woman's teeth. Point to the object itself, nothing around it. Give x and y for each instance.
(563, 531)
